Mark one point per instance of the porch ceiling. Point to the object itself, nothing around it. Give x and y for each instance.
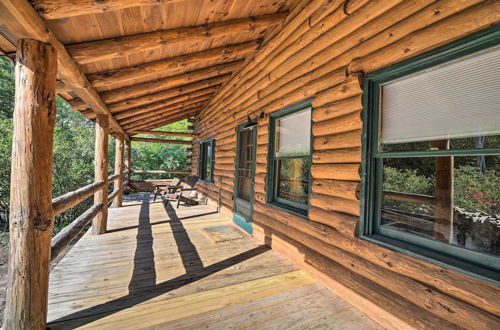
(149, 62)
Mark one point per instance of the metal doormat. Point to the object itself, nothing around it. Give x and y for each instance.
(222, 233)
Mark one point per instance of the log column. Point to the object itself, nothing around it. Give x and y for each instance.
(101, 172)
(117, 202)
(31, 213)
(129, 160)
(443, 207)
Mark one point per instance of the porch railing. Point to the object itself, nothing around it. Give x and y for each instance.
(73, 198)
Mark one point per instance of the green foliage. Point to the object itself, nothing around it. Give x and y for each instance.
(408, 181)
(475, 191)
(73, 155)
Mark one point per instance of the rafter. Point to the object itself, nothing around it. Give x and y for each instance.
(106, 49)
(158, 96)
(169, 101)
(23, 22)
(150, 121)
(157, 85)
(180, 106)
(126, 76)
(164, 133)
(163, 114)
(55, 9)
(166, 122)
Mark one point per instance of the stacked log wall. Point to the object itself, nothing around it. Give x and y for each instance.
(321, 53)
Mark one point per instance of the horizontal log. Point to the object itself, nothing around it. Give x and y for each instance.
(113, 195)
(157, 85)
(67, 201)
(126, 76)
(349, 155)
(94, 51)
(407, 197)
(169, 110)
(152, 140)
(113, 177)
(335, 109)
(50, 9)
(331, 204)
(349, 139)
(344, 189)
(204, 85)
(71, 231)
(167, 133)
(349, 122)
(159, 172)
(345, 172)
(163, 119)
(78, 105)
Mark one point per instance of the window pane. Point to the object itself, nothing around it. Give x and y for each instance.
(293, 179)
(453, 100)
(452, 199)
(293, 134)
(245, 162)
(208, 163)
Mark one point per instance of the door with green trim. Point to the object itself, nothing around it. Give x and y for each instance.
(245, 176)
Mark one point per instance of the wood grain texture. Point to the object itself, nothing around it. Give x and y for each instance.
(119, 163)
(101, 161)
(155, 268)
(31, 213)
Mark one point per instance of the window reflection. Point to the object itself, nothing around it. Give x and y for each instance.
(452, 199)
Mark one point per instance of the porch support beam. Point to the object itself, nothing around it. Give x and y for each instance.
(152, 140)
(31, 212)
(55, 9)
(118, 183)
(94, 51)
(144, 123)
(101, 173)
(128, 162)
(22, 21)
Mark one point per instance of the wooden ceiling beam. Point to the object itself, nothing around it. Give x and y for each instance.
(165, 122)
(163, 114)
(94, 51)
(142, 123)
(56, 9)
(23, 22)
(126, 76)
(172, 108)
(163, 133)
(152, 140)
(157, 85)
(171, 100)
(158, 96)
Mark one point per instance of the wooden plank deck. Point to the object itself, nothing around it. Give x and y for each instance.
(155, 268)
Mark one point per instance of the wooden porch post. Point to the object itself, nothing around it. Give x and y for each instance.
(101, 172)
(443, 207)
(117, 202)
(31, 213)
(129, 160)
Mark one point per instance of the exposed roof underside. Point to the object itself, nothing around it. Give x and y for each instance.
(151, 62)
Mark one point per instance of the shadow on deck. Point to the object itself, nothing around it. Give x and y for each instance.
(155, 268)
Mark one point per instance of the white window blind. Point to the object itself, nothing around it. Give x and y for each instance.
(293, 134)
(457, 99)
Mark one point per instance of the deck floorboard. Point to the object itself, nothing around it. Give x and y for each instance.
(155, 268)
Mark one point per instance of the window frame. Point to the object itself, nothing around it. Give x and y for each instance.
(203, 160)
(272, 198)
(473, 263)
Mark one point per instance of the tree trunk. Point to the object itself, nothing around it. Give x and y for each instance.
(32, 216)
(101, 173)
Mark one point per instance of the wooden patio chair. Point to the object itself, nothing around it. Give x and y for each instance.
(171, 188)
(188, 194)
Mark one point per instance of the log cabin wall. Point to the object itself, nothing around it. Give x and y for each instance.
(321, 54)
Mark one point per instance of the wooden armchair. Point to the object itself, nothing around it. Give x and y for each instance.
(171, 188)
(187, 193)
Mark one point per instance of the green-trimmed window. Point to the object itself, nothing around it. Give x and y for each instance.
(207, 160)
(290, 158)
(432, 156)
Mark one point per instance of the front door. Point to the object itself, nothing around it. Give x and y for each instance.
(244, 176)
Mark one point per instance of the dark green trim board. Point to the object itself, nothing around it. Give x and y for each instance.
(238, 218)
(479, 265)
(272, 199)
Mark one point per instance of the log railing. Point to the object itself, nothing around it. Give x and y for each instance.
(160, 172)
(73, 198)
(407, 197)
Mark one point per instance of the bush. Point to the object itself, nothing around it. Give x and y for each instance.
(476, 191)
